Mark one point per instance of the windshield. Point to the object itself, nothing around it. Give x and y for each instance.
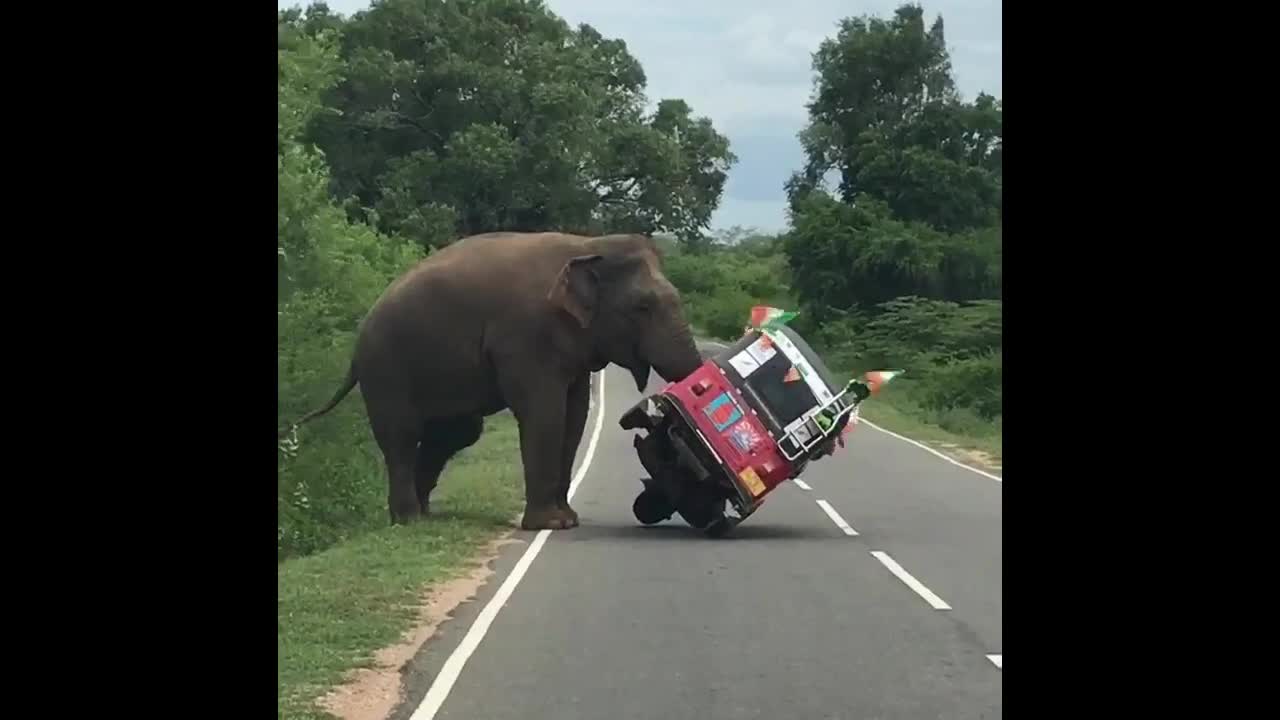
(780, 385)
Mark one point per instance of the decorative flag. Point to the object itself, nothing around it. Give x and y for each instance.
(791, 376)
(879, 378)
(763, 316)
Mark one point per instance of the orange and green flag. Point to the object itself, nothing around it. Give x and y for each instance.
(763, 316)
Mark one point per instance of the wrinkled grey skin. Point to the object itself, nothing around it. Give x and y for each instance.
(510, 320)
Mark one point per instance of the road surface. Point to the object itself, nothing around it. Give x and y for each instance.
(870, 590)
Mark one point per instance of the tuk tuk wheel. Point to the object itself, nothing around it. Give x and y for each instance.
(701, 512)
(720, 527)
(651, 507)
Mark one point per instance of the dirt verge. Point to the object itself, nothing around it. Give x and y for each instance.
(372, 693)
(971, 456)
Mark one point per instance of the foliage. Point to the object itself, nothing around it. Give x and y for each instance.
(887, 116)
(953, 352)
(858, 255)
(902, 266)
(465, 117)
(337, 607)
(329, 272)
(722, 281)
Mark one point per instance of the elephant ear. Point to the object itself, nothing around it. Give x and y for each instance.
(576, 289)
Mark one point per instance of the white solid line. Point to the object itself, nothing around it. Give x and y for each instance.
(997, 660)
(443, 682)
(911, 582)
(801, 484)
(591, 446)
(922, 446)
(835, 518)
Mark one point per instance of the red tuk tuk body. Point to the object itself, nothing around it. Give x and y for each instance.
(728, 425)
(746, 421)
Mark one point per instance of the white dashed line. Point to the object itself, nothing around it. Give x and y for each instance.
(444, 681)
(911, 582)
(997, 660)
(835, 518)
(802, 484)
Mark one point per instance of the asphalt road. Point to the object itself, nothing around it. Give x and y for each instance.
(897, 616)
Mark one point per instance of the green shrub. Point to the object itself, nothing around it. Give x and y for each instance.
(972, 384)
(330, 271)
(725, 314)
(720, 286)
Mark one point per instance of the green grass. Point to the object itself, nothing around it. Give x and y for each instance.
(337, 607)
(945, 431)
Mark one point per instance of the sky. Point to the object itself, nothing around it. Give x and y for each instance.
(746, 65)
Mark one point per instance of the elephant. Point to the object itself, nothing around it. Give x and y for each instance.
(514, 321)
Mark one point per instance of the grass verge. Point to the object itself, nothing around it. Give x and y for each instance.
(336, 608)
(974, 442)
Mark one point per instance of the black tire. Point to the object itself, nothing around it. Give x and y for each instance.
(699, 510)
(651, 507)
(720, 527)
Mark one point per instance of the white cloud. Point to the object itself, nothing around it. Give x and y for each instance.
(763, 215)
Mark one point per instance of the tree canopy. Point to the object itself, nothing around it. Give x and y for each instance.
(918, 206)
(457, 118)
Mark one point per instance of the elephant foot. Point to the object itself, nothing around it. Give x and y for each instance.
(569, 513)
(548, 519)
(406, 517)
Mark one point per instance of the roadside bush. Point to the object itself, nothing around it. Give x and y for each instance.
(330, 271)
(974, 384)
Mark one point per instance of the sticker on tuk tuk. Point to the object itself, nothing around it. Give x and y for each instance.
(723, 411)
(744, 363)
(753, 481)
(743, 436)
(762, 349)
(791, 376)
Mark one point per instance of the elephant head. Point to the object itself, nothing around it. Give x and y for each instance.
(627, 308)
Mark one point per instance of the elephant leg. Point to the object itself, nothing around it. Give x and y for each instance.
(396, 429)
(402, 499)
(575, 421)
(539, 404)
(441, 440)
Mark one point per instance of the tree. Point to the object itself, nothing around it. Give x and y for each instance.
(466, 117)
(887, 117)
(919, 201)
(859, 256)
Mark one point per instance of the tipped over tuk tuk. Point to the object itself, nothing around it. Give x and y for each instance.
(751, 417)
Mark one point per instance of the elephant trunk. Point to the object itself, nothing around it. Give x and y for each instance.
(675, 355)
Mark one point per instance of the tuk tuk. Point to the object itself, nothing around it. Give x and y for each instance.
(747, 420)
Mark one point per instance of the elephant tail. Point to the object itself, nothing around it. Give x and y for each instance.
(347, 385)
